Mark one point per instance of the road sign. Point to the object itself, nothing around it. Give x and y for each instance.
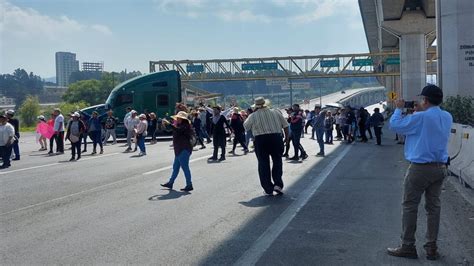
(195, 68)
(297, 86)
(392, 95)
(362, 62)
(330, 63)
(260, 66)
(277, 81)
(392, 61)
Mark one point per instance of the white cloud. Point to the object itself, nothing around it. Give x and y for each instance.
(291, 11)
(29, 23)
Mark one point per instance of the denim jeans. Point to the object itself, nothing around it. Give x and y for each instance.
(141, 143)
(181, 160)
(320, 138)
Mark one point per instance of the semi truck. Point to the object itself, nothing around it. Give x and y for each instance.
(155, 92)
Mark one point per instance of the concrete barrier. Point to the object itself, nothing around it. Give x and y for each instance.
(454, 144)
(462, 163)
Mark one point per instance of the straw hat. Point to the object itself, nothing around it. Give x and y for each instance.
(259, 102)
(181, 115)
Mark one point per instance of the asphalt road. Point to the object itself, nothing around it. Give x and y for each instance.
(109, 208)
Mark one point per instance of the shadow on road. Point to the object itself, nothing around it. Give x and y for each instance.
(264, 200)
(172, 194)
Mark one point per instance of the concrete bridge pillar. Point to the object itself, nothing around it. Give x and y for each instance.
(411, 29)
(455, 44)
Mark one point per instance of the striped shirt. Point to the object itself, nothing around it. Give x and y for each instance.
(265, 121)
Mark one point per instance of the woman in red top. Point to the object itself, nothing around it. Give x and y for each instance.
(182, 134)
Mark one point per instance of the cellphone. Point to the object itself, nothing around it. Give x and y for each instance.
(410, 104)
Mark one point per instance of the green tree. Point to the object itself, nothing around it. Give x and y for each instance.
(461, 108)
(88, 91)
(29, 110)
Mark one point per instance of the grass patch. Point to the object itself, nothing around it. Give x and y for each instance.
(27, 129)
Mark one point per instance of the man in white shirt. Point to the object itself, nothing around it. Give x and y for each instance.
(59, 131)
(7, 132)
(130, 124)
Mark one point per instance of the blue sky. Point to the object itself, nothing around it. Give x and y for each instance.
(127, 34)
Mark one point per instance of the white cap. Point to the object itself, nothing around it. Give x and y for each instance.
(76, 114)
(10, 112)
(142, 116)
(41, 117)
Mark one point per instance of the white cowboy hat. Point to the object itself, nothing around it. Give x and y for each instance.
(182, 115)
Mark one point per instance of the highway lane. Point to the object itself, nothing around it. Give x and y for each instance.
(98, 210)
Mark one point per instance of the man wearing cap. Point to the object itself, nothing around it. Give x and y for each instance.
(7, 132)
(59, 131)
(16, 125)
(427, 133)
(266, 125)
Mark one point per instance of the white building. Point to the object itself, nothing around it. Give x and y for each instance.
(66, 63)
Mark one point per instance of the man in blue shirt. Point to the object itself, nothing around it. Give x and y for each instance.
(427, 133)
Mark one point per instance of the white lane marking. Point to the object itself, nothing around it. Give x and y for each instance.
(93, 189)
(52, 164)
(255, 252)
(170, 167)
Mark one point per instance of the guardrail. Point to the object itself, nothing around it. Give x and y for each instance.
(461, 151)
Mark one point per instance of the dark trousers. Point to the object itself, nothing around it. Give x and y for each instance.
(370, 132)
(96, 137)
(269, 146)
(76, 149)
(378, 134)
(362, 132)
(328, 135)
(219, 141)
(308, 123)
(51, 142)
(6, 153)
(16, 148)
(239, 137)
(60, 141)
(338, 131)
(296, 140)
(85, 141)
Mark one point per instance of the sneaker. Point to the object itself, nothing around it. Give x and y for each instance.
(142, 154)
(187, 188)
(128, 150)
(202, 147)
(304, 156)
(221, 159)
(278, 190)
(94, 152)
(50, 153)
(167, 185)
(115, 142)
(16, 159)
(268, 193)
(78, 157)
(101, 151)
(320, 154)
(84, 151)
(59, 153)
(231, 152)
(72, 159)
(405, 251)
(294, 158)
(212, 159)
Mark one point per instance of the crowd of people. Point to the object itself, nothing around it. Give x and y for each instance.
(201, 125)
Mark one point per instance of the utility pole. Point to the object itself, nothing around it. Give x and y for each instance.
(291, 92)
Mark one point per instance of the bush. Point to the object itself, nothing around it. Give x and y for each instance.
(461, 108)
(29, 110)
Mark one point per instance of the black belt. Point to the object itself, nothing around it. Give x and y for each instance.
(429, 163)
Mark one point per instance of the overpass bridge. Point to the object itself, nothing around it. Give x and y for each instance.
(374, 64)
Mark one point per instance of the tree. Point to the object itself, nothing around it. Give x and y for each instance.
(461, 108)
(88, 91)
(29, 110)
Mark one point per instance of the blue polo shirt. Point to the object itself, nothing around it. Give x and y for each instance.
(427, 134)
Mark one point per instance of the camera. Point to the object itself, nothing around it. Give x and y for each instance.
(410, 104)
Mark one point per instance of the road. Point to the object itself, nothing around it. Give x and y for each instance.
(111, 209)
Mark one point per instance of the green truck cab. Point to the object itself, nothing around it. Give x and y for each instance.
(155, 92)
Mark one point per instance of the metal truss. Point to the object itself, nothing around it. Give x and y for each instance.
(292, 67)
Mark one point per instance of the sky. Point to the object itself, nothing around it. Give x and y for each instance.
(127, 34)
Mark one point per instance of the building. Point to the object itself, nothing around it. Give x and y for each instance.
(6, 101)
(93, 66)
(66, 63)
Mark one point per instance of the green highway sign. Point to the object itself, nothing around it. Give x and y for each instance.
(392, 61)
(330, 63)
(260, 66)
(362, 62)
(195, 68)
